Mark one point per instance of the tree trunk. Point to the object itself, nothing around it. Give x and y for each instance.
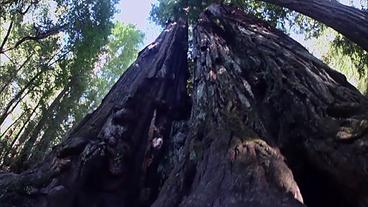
(14, 123)
(28, 140)
(4, 158)
(270, 125)
(257, 94)
(100, 163)
(255, 88)
(52, 127)
(349, 21)
(6, 83)
(17, 98)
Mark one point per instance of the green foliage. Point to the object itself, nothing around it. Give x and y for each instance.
(121, 50)
(339, 52)
(307, 26)
(358, 56)
(346, 57)
(118, 54)
(166, 10)
(51, 53)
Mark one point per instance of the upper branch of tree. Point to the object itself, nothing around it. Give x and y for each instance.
(39, 36)
(349, 21)
(6, 37)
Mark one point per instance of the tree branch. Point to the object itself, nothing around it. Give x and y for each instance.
(6, 37)
(39, 36)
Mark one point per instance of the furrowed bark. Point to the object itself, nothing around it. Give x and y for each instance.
(104, 160)
(349, 21)
(257, 93)
(270, 125)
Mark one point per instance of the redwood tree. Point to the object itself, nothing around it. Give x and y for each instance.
(269, 125)
(349, 21)
(264, 107)
(100, 162)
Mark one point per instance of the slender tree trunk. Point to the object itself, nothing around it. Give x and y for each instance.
(6, 83)
(18, 97)
(349, 21)
(27, 125)
(46, 116)
(6, 37)
(41, 148)
(7, 135)
(52, 126)
(13, 124)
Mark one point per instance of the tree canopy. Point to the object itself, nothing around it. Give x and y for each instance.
(58, 59)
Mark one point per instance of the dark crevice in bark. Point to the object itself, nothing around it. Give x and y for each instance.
(316, 186)
(111, 157)
(257, 96)
(298, 103)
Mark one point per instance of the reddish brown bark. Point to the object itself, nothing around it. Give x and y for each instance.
(257, 93)
(101, 162)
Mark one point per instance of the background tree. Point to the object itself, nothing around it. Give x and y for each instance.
(158, 79)
(51, 70)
